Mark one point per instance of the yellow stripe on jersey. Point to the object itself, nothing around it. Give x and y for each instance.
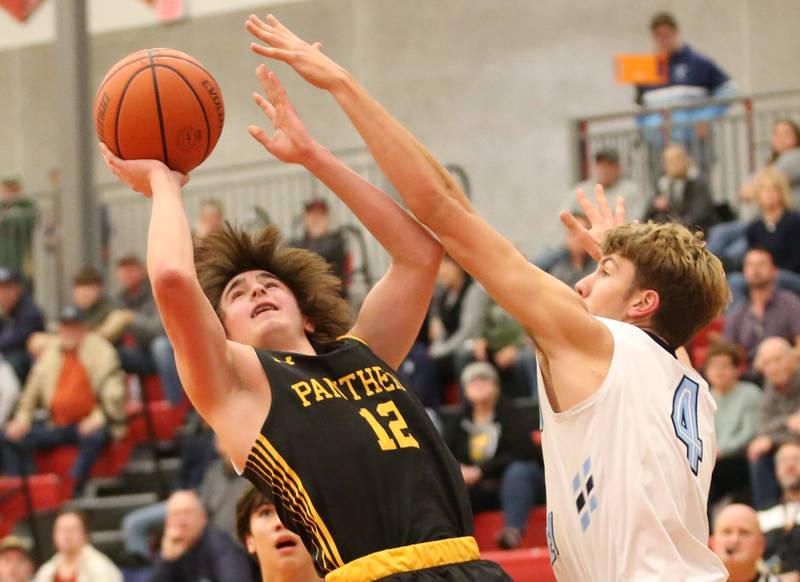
(348, 336)
(271, 461)
(407, 559)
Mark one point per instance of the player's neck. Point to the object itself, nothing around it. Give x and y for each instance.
(284, 344)
(303, 574)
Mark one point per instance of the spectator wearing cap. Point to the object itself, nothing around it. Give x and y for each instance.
(20, 318)
(491, 439)
(781, 522)
(78, 383)
(320, 236)
(608, 172)
(737, 541)
(682, 195)
(76, 559)
(143, 346)
(280, 553)
(16, 564)
(17, 221)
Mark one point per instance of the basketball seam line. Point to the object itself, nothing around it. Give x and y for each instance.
(199, 102)
(158, 108)
(118, 153)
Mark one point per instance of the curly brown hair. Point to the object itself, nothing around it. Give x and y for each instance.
(223, 254)
(689, 280)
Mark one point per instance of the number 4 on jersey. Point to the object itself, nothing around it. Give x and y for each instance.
(684, 421)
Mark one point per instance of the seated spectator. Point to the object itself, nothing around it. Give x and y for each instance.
(16, 564)
(19, 319)
(502, 341)
(17, 221)
(682, 196)
(193, 551)
(492, 441)
(765, 311)
(778, 417)
(76, 559)
(781, 523)
(78, 383)
(144, 348)
(735, 421)
(575, 264)
(280, 554)
(9, 392)
(88, 295)
(777, 229)
(727, 240)
(320, 237)
(739, 543)
(210, 218)
(220, 488)
(455, 316)
(608, 173)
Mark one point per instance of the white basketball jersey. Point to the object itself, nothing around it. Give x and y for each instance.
(628, 471)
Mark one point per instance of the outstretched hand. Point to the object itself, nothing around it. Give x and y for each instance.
(138, 174)
(601, 218)
(290, 141)
(283, 45)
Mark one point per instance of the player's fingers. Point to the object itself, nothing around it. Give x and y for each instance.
(273, 20)
(602, 202)
(265, 106)
(259, 135)
(269, 36)
(586, 206)
(620, 214)
(273, 53)
(583, 235)
(317, 46)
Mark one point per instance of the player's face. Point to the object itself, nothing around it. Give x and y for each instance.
(610, 290)
(15, 566)
(737, 539)
(787, 467)
(277, 549)
(258, 307)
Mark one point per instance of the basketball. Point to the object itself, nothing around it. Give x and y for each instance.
(160, 104)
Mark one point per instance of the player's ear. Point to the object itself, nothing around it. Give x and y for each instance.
(308, 325)
(646, 303)
(251, 546)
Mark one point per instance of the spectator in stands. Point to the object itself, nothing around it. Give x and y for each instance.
(765, 311)
(17, 221)
(320, 237)
(144, 348)
(781, 523)
(681, 194)
(88, 294)
(608, 172)
(78, 382)
(735, 422)
(210, 218)
(9, 392)
(492, 441)
(777, 230)
(575, 264)
(76, 559)
(778, 418)
(19, 319)
(280, 554)
(16, 564)
(502, 341)
(194, 551)
(220, 488)
(739, 543)
(727, 240)
(692, 77)
(455, 316)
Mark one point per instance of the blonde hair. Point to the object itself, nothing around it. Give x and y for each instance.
(689, 280)
(774, 177)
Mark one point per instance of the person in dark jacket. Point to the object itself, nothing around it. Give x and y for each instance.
(19, 319)
(492, 441)
(193, 551)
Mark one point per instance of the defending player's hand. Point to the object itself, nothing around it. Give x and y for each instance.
(138, 174)
(283, 45)
(601, 218)
(290, 142)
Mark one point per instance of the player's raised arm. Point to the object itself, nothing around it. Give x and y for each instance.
(552, 312)
(393, 311)
(205, 366)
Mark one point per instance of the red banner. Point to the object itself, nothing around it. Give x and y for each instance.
(20, 9)
(167, 10)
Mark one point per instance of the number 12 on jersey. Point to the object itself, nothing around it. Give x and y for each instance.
(684, 421)
(398, 427)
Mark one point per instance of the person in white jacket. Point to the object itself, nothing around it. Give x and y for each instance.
(9, 390)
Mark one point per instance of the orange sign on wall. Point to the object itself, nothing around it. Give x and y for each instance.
(641, 69)
(20, 9)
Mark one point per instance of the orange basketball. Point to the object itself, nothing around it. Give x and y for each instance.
(160, 104)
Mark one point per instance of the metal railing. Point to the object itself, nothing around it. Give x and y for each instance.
(728, 148)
